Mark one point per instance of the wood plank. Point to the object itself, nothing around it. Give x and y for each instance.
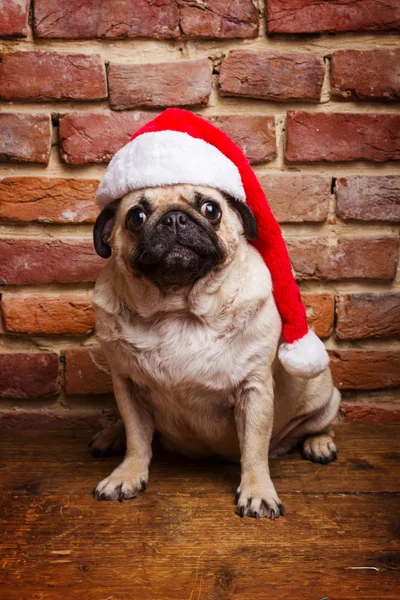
(166, 547)
(181, 540)
(368, 462)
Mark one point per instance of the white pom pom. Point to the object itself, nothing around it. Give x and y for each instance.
(306, 357)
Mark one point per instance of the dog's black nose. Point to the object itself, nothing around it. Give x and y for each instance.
(175, 220)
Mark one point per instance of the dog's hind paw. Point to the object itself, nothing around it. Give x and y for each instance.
(320, 449)
(110, 440)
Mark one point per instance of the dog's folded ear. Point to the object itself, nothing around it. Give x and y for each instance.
(246, 217)
(103, 229)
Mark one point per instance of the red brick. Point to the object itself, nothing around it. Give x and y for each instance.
(297, 197)
(307, 16)
(41, 76)
(368, 198)
(366, 412)
(254, 134)
(320, 312)
(342, 137)
(25, 261)
(219, 19)
(367, 315)
(186, 83)
(67, 418)
(38, 314)
(25, 137)
(26, 375)
(14, 18)
(366, 75)
(87, 371)
(365, 369)
(96, 137)
(272, 76)
(351, 257)
(117, 19)
(48, 200)
(165, 19)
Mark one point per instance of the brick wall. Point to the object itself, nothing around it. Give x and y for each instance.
(309, 90)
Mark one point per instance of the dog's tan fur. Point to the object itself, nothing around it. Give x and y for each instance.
(199, 364)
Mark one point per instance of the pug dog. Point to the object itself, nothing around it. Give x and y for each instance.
(186, 318)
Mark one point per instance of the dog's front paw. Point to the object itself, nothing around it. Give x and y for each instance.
(124, 483)
(258, 501)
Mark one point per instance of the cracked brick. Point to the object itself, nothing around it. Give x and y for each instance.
(27, 261)
(254, 134)
(25, 137)
(314, 16)
(332, 137)
(368, 198)
(272, 76)
(361, 316)
(48, 200)
(96, 137)
(186, 83)
(86, 19)
(14, 18)
(164, 19)
(370, 412)
(219, 19)
(87, 372)
(297, 197)
(320, 313)
(29, 375)
(365, 369)
(350, 257)
(48, 314)
(366, 75)
(43, 76)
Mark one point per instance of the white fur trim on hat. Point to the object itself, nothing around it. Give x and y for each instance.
(306, 357)
(166, 158)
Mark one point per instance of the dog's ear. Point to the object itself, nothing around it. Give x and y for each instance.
(103, 229)
(246, 216)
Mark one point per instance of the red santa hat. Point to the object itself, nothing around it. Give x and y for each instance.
(180, 147)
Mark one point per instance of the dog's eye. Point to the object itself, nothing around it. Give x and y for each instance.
(135, 218)
(211, 211)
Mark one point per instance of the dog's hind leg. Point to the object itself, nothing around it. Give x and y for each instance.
(314, 431)
(320, 447)
(110, 440)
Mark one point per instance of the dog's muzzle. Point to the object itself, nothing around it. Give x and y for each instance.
(177, 250)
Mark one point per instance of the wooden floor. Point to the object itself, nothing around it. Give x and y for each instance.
(181, 538)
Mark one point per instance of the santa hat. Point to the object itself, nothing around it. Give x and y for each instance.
(180, 147)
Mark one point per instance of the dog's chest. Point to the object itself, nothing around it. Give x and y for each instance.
(178, 353)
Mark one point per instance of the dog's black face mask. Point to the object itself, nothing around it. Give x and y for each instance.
(177, 247)
(177, 250)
